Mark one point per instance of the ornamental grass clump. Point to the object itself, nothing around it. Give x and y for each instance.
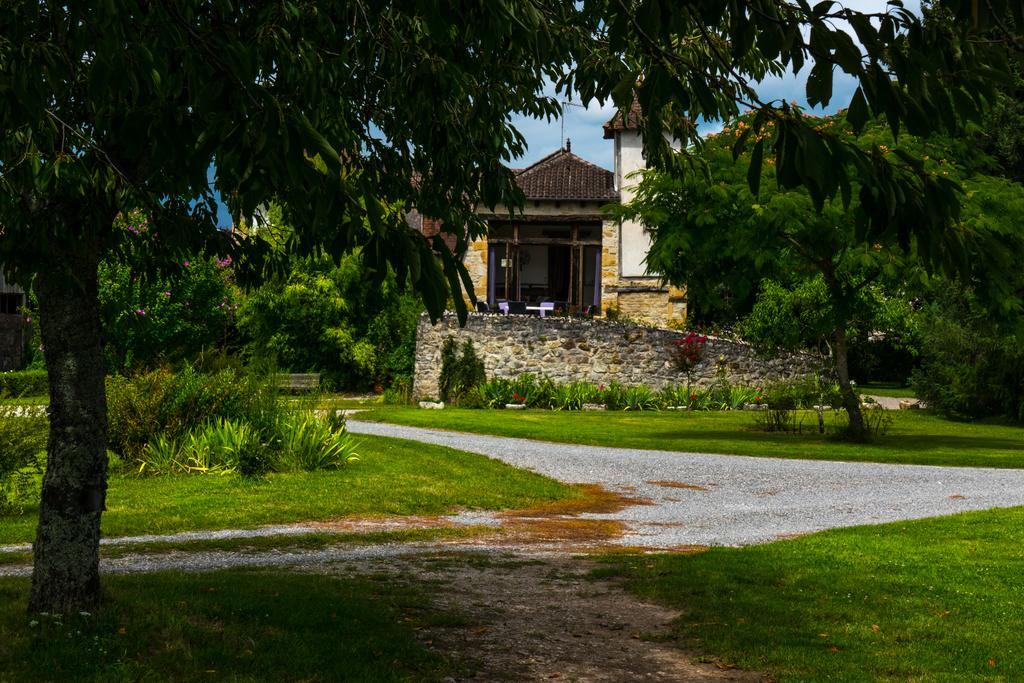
(300, 442)
(309, 443)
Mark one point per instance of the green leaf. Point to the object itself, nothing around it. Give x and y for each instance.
(858, 113)
(754, 170)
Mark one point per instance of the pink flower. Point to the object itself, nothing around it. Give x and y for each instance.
(140, 311)
(187, 264)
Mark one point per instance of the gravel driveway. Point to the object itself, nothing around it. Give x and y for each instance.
(702, 499)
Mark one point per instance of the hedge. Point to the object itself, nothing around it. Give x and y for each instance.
(24, 383)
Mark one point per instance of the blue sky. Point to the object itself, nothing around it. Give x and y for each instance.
(584, 126)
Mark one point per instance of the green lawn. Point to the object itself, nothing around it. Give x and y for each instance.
(939, 599)
(392, 477)
(915, 437)
(235, 625)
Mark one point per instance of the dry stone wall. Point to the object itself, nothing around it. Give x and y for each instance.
(600, 351)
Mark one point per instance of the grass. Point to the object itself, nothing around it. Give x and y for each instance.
(915, 437)
(392, 477)
(234, 625)
(939, 599)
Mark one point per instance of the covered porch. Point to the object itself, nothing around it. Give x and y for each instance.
(556, 263)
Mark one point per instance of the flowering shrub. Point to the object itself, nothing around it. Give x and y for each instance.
(166, 318)
(688, 351)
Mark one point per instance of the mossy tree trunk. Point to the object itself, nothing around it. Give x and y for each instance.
(65, 577)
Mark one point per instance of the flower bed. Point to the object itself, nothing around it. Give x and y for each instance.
(532, 391)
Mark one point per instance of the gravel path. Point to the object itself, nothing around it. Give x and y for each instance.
(701, 499)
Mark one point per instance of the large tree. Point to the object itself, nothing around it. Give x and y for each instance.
(337, 110)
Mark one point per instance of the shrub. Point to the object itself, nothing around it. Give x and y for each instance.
(495, 393)
(166, 318)
(804, 394)
(459, 374)
(573, 395)
(160, 402)
(24, 383)
(639, 398)
(301, 442)
(399, 393)
(330, 318)
(676, 395)
(611, 395)
(971, 368)
(778, 419)
(308, 443)
(687, 352)
(22, 443)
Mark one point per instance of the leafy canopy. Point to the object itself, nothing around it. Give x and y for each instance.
(720, 239)
(338, 110)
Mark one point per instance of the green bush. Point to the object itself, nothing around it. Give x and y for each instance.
(166, 318)
(161, 403)
(460, 374)
(803, 394)
(24, 383)
(971, 367)
(22, 446)
(331, 318)
(399, 393)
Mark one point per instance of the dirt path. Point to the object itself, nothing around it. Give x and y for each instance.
(522, 619)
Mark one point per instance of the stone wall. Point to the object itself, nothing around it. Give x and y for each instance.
(600, 351)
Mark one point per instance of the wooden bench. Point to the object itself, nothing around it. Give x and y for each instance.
(296, 383)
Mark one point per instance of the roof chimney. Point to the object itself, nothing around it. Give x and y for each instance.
(568, 145)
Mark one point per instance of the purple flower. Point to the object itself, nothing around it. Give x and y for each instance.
(167, 294)
(140, 311)
(187, 264)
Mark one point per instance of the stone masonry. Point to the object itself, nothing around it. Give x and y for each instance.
(594, 350)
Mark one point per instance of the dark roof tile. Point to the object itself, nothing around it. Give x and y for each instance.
(631, 121)
(563, 175)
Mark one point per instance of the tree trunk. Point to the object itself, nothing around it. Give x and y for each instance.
(66, 573)
(851, 401)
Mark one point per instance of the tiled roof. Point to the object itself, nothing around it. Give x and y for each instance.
(631, 121)
(563, 175)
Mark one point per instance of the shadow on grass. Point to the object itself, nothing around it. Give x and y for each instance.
(907, 601)
(244, 625)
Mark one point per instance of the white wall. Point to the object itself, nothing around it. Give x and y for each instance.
(634, 240)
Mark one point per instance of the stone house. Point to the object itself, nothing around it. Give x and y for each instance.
(563, 248)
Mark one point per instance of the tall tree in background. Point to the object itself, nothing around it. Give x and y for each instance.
(337, 110)
(717, 232)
